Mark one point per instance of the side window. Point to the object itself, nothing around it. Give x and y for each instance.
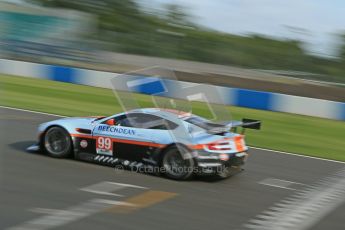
(119, 120)
(155, 122)
(144, 121)
(164, 125)
(124, 120)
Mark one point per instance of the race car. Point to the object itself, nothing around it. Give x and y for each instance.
(179, 144)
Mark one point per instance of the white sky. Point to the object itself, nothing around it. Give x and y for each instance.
(321, 20)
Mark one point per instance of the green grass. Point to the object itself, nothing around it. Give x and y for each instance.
(286, 132)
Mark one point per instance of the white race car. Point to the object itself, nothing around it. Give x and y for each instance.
(177, 143)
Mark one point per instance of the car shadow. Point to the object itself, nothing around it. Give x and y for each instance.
(209, 178)
(215, 178)
(23, 145)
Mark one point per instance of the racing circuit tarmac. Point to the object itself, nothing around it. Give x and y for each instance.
(276, 191)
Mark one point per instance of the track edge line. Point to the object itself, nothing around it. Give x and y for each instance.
(253, 147)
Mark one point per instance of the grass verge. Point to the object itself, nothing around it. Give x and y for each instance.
(286, 132)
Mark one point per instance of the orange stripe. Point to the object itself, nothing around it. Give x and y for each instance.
(239, 143)
(117, 140)
(138, 142)
(82, 136)
(197, 147)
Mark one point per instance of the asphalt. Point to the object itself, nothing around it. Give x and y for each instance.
(34, 186)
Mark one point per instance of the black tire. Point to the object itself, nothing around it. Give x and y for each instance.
(178, 163)
(57, 142)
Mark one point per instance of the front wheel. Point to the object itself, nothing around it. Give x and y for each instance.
(178, 163)
(57, 142)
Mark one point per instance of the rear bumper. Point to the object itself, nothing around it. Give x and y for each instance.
(211, 165)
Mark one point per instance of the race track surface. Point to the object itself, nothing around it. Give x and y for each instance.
(39, 192)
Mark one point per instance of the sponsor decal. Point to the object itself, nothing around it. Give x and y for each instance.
(104, 145)
(119, 130)
(83, 144)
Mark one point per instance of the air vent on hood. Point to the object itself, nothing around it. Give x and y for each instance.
(85, 131)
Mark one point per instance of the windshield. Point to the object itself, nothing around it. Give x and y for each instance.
(99, 118)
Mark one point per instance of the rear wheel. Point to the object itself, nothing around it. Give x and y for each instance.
(178, 163)
(57, 142)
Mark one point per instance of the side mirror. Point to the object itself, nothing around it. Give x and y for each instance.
(110, 122)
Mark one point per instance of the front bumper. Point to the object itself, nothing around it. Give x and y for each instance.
(33, 148)
(36, 147)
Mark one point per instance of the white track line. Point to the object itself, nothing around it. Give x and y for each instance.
(53, 218)
(31, 111)
(269, 150)
(278, 183)
(304, 209)
(59, 218)
(297, 155)
(108, 188)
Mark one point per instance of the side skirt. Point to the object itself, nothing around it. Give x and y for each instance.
(113, 162)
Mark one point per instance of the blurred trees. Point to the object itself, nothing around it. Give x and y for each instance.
(124, 27)
(342, 50)
(176, 14)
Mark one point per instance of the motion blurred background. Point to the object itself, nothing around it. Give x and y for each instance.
(291, 48)
(304, 40)
(278, 61)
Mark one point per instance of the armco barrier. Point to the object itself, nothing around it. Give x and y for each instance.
(231, 96)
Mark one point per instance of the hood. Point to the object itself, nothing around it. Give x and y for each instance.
(80, 121)
(76, 119)
(71, 123)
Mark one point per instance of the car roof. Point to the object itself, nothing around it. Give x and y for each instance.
(160, 111)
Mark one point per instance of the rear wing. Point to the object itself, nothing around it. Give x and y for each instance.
(233, 126)
(244, 124)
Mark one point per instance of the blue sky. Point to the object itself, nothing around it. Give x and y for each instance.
(319, 20)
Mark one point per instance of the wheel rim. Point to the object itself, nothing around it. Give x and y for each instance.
(56, 141)
(175, 164)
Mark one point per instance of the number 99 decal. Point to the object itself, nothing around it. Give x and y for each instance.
(104, 145)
